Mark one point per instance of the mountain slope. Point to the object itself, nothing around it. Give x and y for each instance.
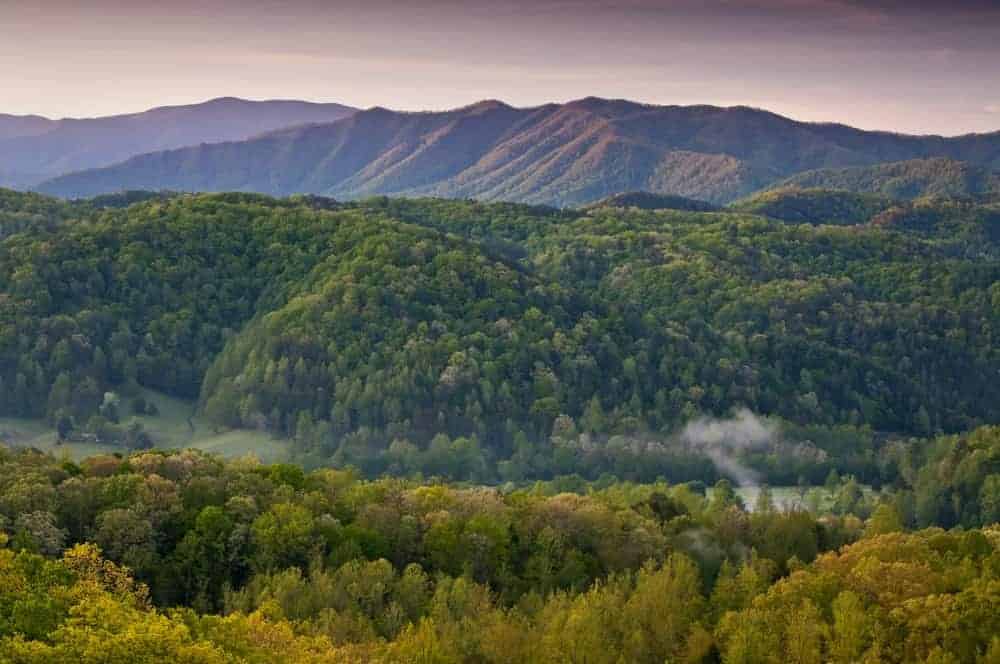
(905, 179)
(357, 324)
(21, 211)
(33, 149)
(646, 201)
(17, 126)
(814, 206)
(14, 126)
(562, 155)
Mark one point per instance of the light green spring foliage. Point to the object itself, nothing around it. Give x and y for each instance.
(202, 560)
(894, 598)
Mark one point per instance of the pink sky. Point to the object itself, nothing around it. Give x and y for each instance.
(918, 67)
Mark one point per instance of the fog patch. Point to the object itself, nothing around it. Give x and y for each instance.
(722, 440)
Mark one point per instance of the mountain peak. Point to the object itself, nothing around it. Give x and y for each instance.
(602, 105)
(224, 101)
(487, 105)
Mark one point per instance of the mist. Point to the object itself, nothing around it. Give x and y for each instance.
(721, 440)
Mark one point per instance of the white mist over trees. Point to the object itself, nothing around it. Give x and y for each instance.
(723, 439)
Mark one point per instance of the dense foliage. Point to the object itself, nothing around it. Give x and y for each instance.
(647, 201)
(502, 341)
(814, 206)
(497, 343)
(30, 212)
(970, 227)
(915, 178)
(183, 557)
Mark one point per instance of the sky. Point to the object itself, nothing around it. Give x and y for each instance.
(907, 66)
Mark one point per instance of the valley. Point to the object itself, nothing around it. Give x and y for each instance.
(588, 382)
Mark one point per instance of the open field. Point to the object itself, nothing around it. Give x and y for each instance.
(787, 497)
(175, 427)
(19, 432)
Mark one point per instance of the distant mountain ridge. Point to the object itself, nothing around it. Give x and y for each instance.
(15, 126)
(33, 149)
(557, 154)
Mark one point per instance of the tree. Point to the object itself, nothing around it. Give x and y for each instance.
(284, 536)
(885, 519)
(989, 500)
(37, 531)
(724, 496)
(805, 635)
(851, 627)
(765, 501)
(663, 610)
(60, 397)
(126, 538)
(64, 427)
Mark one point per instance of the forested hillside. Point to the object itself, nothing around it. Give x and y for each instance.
(814, 206)
(536, 362)
(557, 154)
(502, 341)
(905, 179)
(647, 201)
(31, 212)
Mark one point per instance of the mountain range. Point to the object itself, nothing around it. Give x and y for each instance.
(33, 148)
(558, 154)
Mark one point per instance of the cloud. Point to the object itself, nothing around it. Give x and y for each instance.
(993, 109)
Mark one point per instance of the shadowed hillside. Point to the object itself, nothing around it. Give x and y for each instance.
(33, 149)
(647, 201)
(905, 180)
(814, 206)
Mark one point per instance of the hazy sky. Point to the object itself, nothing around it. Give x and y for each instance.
(926, 67)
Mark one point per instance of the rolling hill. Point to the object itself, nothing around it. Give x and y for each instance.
(644, 200)
(557, 154)
(904, 180)
(814, 206)
(33, 149)
(400, 331)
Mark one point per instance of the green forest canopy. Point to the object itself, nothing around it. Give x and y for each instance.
(501, 340)
(183, 557)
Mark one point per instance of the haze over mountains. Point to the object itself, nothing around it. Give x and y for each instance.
(557, 154)
(33, 148)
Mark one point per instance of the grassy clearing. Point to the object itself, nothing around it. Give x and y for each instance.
(240, 443)
(38, 434)
(788, 497)
(175, 427)
(784, 496)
